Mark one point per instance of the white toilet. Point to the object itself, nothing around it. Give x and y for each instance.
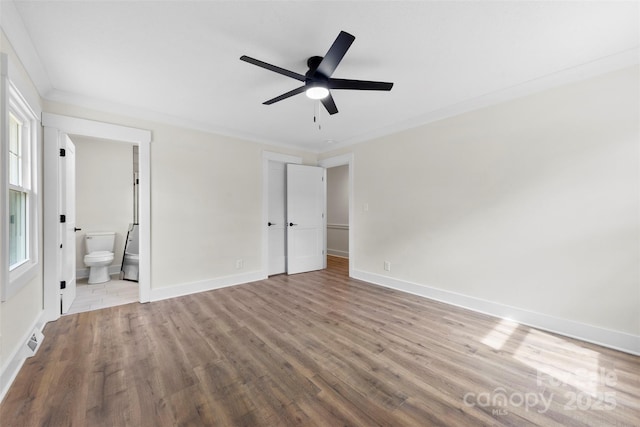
(131, 262)
(99, 255)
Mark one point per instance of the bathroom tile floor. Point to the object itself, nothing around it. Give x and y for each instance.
(102, 295)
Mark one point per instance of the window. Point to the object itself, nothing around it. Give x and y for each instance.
(19, 207)
(18, 195)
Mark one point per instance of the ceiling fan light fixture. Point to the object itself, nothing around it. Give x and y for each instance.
(317, 92)
(317, 80)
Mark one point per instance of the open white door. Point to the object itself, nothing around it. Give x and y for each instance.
(306, 189)
(67, 222)
(277, 218)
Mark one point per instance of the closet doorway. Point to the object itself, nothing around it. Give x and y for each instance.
(340, 208)
(274, 247)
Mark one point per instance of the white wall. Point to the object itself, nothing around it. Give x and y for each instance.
(104, 193)
(22, 312)
(206, 204)
(338, 211)
(532, 204)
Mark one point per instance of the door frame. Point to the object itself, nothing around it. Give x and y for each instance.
(68, 228)
(266, 157)
(54, 125)
(341, 160)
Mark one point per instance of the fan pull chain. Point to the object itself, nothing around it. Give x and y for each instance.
(316, 114)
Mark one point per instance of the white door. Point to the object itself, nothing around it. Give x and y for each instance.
(306, 191)
(277, 217)
(67, 228)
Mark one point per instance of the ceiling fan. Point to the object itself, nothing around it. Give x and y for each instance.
(317, 80)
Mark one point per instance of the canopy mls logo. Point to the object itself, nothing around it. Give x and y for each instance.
(585, 392)
(498, 400)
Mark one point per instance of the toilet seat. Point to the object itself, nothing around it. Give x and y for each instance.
(99, 256)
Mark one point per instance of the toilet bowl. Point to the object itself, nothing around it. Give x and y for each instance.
(99, 255)
(131, 267)
(98, 263)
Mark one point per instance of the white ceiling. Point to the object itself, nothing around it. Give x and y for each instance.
(178, 61)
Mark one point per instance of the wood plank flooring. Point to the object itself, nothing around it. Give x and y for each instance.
(315, 349)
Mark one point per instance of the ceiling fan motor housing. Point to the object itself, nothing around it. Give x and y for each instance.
(313, 63)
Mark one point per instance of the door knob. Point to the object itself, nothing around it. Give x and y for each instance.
(271, 223)
(76, 229)
(292, 224)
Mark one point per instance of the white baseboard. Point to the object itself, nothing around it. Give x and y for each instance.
(336, 252)
(205, 285)
(605, 337)
(14, 362)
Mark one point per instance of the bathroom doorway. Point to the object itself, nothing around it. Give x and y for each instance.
(55, 128)
(106, 201)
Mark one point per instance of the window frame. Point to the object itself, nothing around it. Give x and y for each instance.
(16, 276)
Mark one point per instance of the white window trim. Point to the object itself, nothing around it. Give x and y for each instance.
(11, 99)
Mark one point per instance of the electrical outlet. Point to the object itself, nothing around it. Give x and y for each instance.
(387, 266)
(365, 207)
(239, 264)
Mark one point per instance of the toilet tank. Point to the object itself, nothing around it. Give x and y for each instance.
(102, 241)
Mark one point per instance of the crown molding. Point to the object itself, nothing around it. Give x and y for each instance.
(137, 113)
(13, 27)
(18, 36)
(575, 74)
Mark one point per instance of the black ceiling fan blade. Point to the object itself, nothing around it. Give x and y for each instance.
(358, 84)
(285, 95)
(273, 68)
(329, 104)
(335, 54)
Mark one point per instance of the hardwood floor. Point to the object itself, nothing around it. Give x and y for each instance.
(315, 349)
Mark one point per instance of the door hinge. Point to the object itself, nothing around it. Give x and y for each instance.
(63, 152)
(63, 284)
(63, 218)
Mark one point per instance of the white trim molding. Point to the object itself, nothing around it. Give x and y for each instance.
(605, 337)
(575, 74)
(54, 125)
(341, 229)
(14, 101)
(337, 253)
(338, 226)
(4, 173)
(158, 294)
(14, 362)
(12, 25)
